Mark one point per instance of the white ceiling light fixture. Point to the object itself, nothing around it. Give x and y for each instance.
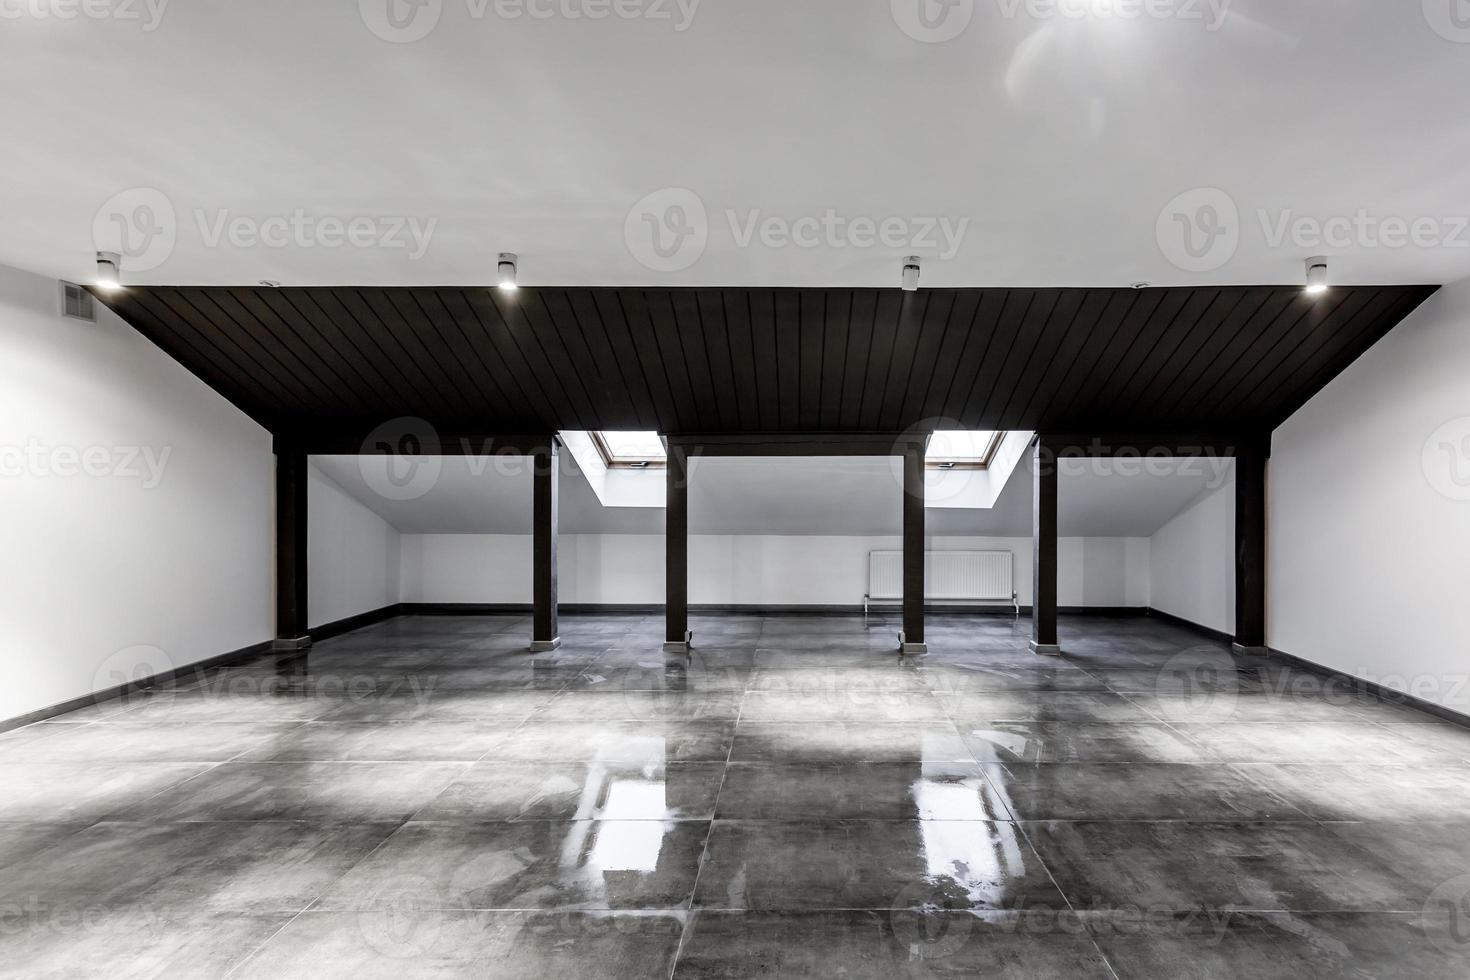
(911, 274)
(109, 271)
(1316, 275)
(505, 272)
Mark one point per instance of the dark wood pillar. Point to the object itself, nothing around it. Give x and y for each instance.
(292, 632)
(1250, 550)
(546, 475)
(676, 552)
(1044, 551)
(911, 640)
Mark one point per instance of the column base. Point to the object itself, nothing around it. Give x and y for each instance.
(1240, 650)
(1046, 649)
(907, 649)
(288, 645)
(545, 646)
(680, 646)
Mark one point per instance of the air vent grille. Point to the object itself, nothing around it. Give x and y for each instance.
(77, 303)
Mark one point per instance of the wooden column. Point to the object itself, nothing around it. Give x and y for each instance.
(1044, 551)
(911, 640)
(546, 479)
(676, 552)
(1250, 550)
(291, 620)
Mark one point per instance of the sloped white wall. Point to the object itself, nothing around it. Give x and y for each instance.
(353, 559)
(1192, 561)
(110, 570)
(1369, 513)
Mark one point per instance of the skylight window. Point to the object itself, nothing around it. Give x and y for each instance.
(636, 450)
(956, 449)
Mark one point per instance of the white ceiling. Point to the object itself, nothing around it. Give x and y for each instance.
(780, 496)
(1060, 139)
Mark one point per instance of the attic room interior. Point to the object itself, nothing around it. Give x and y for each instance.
(694, 490)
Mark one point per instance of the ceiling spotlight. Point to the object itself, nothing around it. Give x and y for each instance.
(108, 276)
(1317, 275)
(911, 274)
(505, 272)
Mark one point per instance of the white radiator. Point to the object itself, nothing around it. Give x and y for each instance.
(949, 576)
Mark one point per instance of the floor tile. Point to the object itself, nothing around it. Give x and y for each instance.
(1146, 791)
(880, 865)
(391, 944)
(911, 945)
(567, 790)
(872, 791)
(1062, 742)
(317, 791)
(1179, 866)
(581, 864)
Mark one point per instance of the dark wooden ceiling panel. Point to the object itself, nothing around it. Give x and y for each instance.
(470, 359)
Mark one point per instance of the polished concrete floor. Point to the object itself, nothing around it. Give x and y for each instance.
(425, 798)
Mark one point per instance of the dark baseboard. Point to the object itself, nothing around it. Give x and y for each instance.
(328, 630)
(738, 609)
(1213, 634)
(1377, 690)
(87, 700)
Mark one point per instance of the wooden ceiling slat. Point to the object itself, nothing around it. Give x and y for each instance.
(1054, 361)
(1253, 332)
(683, 308)
(242, 354)
(1335, 357)
(517, 379)
(1043, 303)
(675, 356)
(720, 355)
(1040, 351)
(1152, 348)
(863, 310)
(913, 310)
(978, 335)
(761, 361)
(1011, 315)
(542, 351)
(835, 328)
(811, 326)
(372, 310)
(616, 363)
(886, 314)
(656, 394)
(485, 364)
(787, 323)
(328, 363)
(1226, 389)
(957, 331)
(345, 328)
(920, 381)
(202, 357)
(1192, 371)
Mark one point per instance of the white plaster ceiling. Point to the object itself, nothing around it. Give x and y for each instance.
(781, 496)
(1060, 138)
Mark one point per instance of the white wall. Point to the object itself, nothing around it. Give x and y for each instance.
(353, 556)
(747, 569)
(1369, 513)
(1192, 561)
(110, 571)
